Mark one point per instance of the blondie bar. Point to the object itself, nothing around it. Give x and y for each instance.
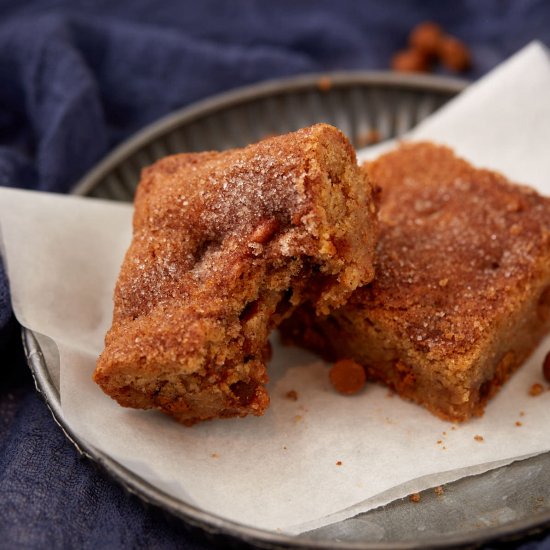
(225, 246)
(462, 289)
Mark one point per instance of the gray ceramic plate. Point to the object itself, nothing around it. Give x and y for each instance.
(503, 504)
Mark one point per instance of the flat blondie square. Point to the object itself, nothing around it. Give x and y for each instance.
(462, 289)
(225, 245)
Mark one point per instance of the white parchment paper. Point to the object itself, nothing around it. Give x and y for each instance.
(324, 457)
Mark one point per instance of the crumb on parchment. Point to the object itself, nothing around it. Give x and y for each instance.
(292, 395)
(535, 389)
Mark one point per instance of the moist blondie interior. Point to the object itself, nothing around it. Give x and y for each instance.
(225, 246)
(462, 289)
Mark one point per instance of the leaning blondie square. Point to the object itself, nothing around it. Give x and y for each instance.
(225, 245)
(462, 289)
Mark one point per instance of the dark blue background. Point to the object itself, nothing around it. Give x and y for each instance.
(76, 77)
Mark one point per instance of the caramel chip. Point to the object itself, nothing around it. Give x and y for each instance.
(265, 231)
(347, 376)
(430, 45)
(426, 37)
(410, 61)
(454, 54)
(536, 389)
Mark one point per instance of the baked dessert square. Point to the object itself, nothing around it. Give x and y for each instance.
(225, 245)
(462, 289)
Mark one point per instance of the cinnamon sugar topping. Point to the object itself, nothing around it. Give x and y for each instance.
(225, 246)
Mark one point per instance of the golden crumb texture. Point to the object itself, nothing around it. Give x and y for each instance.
(225, 246)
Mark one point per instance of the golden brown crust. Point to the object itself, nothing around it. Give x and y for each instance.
(224, 246)
(463, 268)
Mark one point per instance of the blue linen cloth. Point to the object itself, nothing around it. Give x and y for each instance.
(76, 78)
